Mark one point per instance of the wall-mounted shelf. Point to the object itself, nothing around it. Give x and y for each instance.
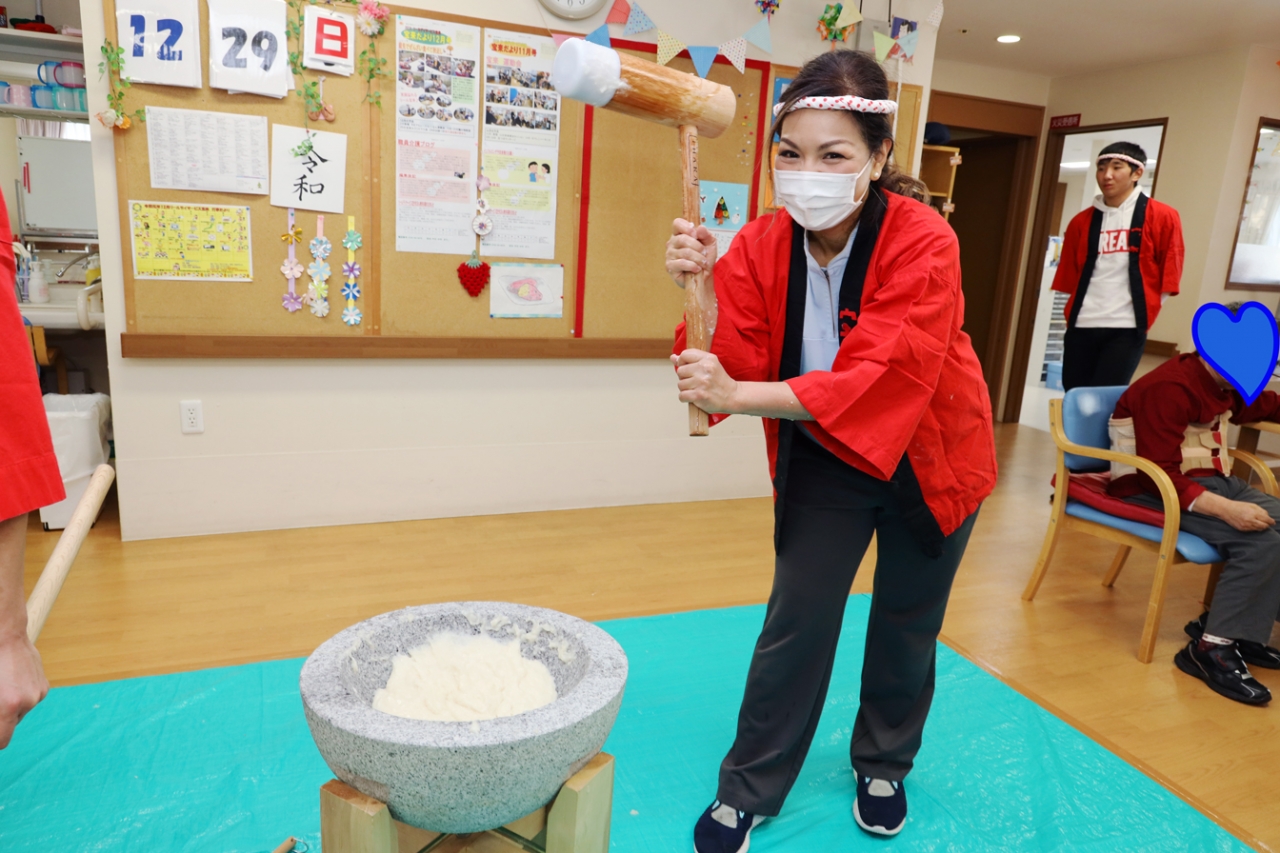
(23, 46)
(44, 115)
(938, 165)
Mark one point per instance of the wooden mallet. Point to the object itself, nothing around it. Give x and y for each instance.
(605, 78)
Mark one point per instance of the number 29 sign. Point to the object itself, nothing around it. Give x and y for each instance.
(161, 41)
(248, 46)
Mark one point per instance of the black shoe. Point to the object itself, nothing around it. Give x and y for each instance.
(712, 836)
(1222, 668)
(1254, 654)
(881, 806)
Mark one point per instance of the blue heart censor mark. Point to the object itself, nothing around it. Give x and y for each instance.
(1242, 347)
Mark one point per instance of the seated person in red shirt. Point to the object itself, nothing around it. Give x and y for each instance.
(1173, 416)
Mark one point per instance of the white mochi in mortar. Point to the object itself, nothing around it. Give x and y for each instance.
(460, 678)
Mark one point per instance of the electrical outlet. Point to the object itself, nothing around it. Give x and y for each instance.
(192, 416)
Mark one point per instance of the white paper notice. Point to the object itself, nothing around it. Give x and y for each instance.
(207, 151)
(315, 181)
(437, 119)
(526, 290)
(248, 47)
(161, 41)
(520, 155)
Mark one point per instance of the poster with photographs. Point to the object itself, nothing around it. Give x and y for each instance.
(521, 147)
(437, 128)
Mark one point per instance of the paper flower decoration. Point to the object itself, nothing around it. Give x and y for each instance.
(353, 240)
(767, 7)
(320, 288)
(320, 247)
(319, 270)
(351, 315)
(293, 235)
(374, 10)
(827, 28)
(291, 269)
(351, 290)
(368, 25)
(308, 297)
(320, 307)
(351, 270)
(292, 302)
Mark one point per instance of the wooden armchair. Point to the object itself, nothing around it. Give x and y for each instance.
(1078, 424)
(47, 356)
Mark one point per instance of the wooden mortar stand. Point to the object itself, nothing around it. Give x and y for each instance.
(576, 821)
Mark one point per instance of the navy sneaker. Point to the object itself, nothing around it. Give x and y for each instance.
(724, 829)
(1254, 654)
(1226, 673)
(881, 806)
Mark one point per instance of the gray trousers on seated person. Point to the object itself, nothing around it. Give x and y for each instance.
(1247, 600)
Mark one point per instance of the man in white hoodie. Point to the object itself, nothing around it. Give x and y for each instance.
(1121, 259)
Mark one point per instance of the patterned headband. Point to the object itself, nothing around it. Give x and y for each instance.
(850, 103)
(1125, 157)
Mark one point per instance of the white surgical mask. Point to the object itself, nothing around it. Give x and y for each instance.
(819, 200)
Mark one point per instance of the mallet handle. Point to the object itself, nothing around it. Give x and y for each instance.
(64, 553)
(695, 319)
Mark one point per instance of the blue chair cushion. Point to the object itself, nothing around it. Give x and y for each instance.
(1193, 548)
(1085, 412)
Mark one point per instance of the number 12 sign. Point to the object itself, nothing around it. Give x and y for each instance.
(161, 41)
(248, 47)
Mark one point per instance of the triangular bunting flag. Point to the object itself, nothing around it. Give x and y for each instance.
(884, 44)
(935, 17)
(908, 43)
(848, 15)
(638, 21)
(760, 36)
(668, 47)
(561, 38)
(735, 50)
(703, 57)
(600, 36)
(620, 13)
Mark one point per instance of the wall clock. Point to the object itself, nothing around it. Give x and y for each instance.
(574, 9)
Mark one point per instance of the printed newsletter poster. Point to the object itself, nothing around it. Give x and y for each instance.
(521, 149)
(437, 129)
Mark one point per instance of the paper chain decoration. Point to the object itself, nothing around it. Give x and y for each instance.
(291, 269)
(318, 290)
(350, 272)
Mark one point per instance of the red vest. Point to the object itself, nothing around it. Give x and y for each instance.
(905, 380)
(1160, 252)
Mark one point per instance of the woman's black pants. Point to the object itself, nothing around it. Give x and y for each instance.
(831, 511)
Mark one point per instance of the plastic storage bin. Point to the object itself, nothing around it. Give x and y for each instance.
(78, 424)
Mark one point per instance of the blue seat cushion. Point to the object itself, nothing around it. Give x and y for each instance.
(1192, 548)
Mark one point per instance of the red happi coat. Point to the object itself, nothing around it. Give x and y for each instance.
(1160, 255)
(905, 380)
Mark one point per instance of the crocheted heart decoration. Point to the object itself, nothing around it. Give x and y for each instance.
(474, 274)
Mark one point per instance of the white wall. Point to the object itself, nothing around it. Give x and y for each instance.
(1260, 97)
(314, 443)
(999, 84)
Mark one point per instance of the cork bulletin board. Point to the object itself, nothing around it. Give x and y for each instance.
(618, 189)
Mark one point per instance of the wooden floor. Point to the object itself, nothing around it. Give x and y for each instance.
(142, 608)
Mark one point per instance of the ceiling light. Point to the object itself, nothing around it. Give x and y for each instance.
(1082, 164)
(1008, 39)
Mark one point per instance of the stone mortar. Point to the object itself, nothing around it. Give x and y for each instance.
(463, 777)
